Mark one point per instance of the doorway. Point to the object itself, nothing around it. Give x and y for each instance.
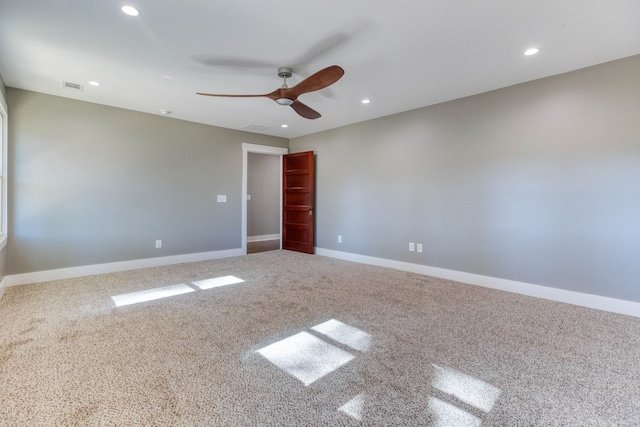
(262, 197)
(263, 202)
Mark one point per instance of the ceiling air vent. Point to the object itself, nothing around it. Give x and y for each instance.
(254, 128)
(72, 86)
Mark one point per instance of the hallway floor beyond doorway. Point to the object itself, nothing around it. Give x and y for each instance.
(263, 246)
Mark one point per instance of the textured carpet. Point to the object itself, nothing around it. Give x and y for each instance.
(308, 340)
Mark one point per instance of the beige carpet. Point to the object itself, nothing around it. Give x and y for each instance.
(306, 341)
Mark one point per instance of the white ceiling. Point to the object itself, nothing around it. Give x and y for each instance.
(402, 54)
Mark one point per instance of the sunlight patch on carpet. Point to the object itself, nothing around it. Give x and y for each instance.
(345, 334)
(150, 294)
(217, 281)
(448, 415)
(305, 356)
(468, 389)
(354, 407)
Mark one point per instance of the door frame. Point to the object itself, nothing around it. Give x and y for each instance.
(260, 149)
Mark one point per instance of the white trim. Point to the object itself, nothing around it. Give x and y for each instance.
(4, 146)
(113, 267)
(281, 173)
(263, 238)
(598, 302)
(262, 149)
(3, 286)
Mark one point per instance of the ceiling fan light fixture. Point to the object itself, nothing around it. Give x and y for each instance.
(284, 101)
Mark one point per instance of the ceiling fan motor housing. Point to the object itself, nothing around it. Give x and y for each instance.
(285, 73)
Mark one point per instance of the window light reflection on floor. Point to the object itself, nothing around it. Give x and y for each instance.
(468, 389)
(345, 334)
(150, 294)
(354, 407)
(305, 356)
(217, 281)
(450, 415)
(308, 357)
(169, 291)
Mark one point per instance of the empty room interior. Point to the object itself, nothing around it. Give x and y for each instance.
(436, 223)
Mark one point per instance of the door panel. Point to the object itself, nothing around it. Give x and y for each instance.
(297, 210)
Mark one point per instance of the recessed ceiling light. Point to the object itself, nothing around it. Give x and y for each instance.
(130, 10)
(531, 51)
(366, 101)
(285, 126)
(165, 112)
(94, 83)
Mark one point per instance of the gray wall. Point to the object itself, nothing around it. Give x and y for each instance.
(93, 184)
(538, 183)
(263, 184)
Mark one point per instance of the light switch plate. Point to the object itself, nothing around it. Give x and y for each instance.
(222, 198)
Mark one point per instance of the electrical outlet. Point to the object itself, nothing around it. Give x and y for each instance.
(158, 244)
(419, 247)
(412, 246)
(339, 239)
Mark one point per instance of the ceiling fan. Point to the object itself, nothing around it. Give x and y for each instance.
(289, 96)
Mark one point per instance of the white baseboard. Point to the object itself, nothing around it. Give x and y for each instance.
(571, 297)
(561, 295)
(89, 270)
(263, 238)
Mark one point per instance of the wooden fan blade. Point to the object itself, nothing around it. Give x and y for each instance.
(305, 111)
(320, 80)
(231, 96)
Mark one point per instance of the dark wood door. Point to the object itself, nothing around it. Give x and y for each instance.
(297, 199)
